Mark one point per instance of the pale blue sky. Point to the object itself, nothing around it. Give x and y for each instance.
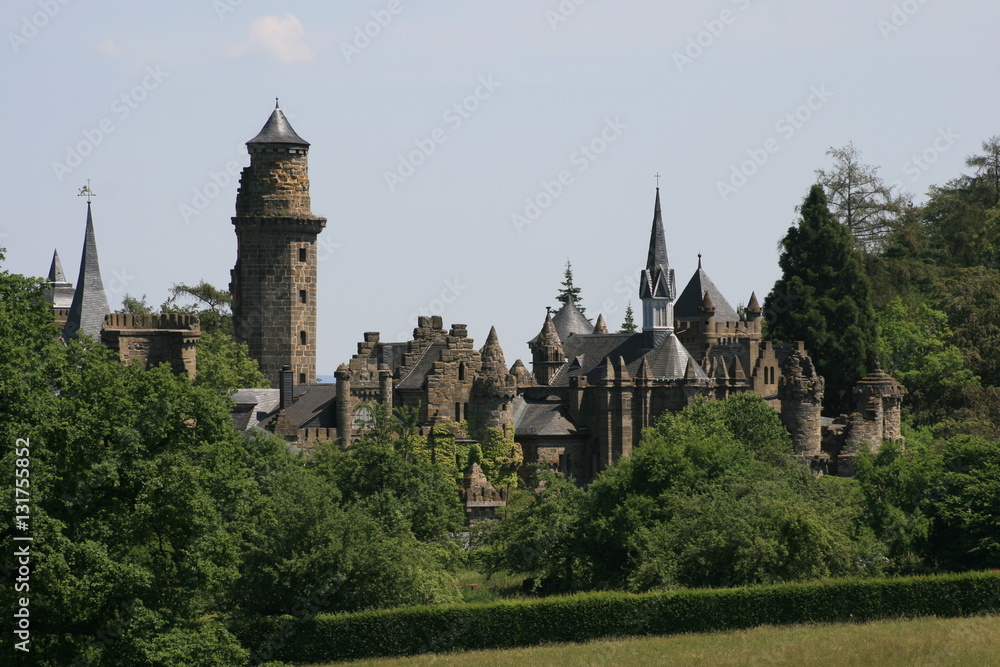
(161, 95)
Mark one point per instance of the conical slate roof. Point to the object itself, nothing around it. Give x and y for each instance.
(569, 320)
(90, 303)
(657, 278)
(58, 292)
(277, 130)
(691, 299)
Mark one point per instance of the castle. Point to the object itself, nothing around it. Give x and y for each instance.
(580, 408)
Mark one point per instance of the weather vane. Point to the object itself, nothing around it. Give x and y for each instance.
(85, 191)
(657, 175)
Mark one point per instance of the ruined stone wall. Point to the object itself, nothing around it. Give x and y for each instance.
(154, 339)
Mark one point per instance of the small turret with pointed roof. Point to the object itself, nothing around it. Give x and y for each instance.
(277, 130)
(494, 366)
(58, 291)
(601, 327)
(706, 304)
(656, 286)
(547, 355)
(90, 303)
(753, 308)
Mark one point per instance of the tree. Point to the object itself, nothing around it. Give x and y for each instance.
(859, 198)
(212, 305)
(628, 326)
(225, 365)
(824, 299)
(988, 165)
(569, 291)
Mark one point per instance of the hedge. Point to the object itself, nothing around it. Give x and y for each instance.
(583, 617)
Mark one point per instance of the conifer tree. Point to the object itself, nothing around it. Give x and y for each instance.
(823, 298)
(569, 290)
(628, 326)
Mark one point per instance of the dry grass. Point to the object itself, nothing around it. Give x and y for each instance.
(929, 641)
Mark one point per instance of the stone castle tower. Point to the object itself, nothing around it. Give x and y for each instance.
(274, 280)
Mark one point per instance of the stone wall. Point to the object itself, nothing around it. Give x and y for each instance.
(274, 280)
(154, 339)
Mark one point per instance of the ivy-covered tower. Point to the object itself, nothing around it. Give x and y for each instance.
(274, 280)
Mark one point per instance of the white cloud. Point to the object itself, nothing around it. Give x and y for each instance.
(281, 37)
(109, 48)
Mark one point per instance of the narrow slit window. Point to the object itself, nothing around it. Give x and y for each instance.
(302, 254)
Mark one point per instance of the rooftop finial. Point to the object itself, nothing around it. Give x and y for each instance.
(275, 102)
(699, 260)
(85, 191)
(657, 176)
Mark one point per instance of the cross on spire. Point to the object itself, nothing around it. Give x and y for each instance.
(85, 191)
(657, 176)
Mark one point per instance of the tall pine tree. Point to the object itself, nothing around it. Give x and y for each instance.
(569, 290)
(823, 298)
(628, 326)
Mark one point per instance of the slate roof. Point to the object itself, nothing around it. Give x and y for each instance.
(313, 407)
(657, 278)
(568, 321)
(545, 417)
(277, 130)
(59, 292)
(253, 406)
(415, 378)
(689, 302)
(668, 361)
(90, 303)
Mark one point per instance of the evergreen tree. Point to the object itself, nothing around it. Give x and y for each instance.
(628, 326)
(823, 298)
(569, 290)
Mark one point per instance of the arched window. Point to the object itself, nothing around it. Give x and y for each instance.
(362, 418)
(461, 371)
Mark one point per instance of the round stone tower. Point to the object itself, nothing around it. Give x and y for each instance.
(274, 280)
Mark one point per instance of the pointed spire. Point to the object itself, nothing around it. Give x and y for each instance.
(689, 372)
(549, 335)
(721, 373)
(645, 372)
(56, 274)
(277, 130)
(90, 303)
(753, 308)
(623, 374)
(493, 364)
(609, 370)
(706, 304)
(601, 327)
(656, 257)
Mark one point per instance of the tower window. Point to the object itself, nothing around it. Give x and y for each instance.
(302, 254)
(302, 337)
(303, 296)
(302, 378)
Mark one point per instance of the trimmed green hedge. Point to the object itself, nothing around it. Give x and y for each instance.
(583, 617)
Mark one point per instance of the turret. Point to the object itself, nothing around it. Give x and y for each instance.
(547, 352)
(657, 289)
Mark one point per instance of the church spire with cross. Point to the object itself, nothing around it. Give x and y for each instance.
(656, 286)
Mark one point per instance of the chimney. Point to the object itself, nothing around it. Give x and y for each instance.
(285, 386)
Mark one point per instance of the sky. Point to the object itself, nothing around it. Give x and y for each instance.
(462, 152)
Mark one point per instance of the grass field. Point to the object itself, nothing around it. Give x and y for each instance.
(929, 641)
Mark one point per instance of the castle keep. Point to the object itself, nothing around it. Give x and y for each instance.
(274, 281)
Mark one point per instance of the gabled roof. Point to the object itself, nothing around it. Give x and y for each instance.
(313, 407)
(251, 406)
(415, 378)
(90, 303)
(669, 361)
(688, 306)
(277, 130)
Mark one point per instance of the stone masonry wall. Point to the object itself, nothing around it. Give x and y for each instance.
(154, 339)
